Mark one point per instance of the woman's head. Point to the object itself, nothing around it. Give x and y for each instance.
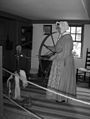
(62, 26)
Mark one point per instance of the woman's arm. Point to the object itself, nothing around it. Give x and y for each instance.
(58, 47)
(52, 48)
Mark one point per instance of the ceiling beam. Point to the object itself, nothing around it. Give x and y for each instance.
(86, 4)
(78, 22)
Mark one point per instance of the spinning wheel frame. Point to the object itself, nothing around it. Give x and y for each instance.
(48, 56)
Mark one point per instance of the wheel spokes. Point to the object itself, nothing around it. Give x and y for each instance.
(47, 47)
(53, 40)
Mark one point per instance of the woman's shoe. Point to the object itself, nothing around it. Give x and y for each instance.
(63, 101)
(60, 101)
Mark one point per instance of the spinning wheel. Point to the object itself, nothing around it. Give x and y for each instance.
(45, 53)
(22, 58)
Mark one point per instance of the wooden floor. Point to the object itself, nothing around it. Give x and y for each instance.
(50, 109)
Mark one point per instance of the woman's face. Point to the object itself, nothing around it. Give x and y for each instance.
(58, 28)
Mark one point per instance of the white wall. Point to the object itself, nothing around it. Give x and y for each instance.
(38, 38)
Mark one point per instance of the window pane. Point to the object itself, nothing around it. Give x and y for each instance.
(78, 37)
(73, 29)
(79, 29)
(76, 33)
(73, 37)
(76, 49)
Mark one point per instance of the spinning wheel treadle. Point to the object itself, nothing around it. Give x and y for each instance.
(45, 53)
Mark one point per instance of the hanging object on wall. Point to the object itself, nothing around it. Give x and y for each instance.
(8, 44)
(19, 49)
(26, 37)
(47, 29)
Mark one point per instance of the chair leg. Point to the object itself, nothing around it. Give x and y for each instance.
(84, 76)
(77, 75)
(89, 82)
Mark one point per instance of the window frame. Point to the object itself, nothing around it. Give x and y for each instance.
(82, 37)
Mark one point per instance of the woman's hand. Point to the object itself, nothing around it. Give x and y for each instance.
(53, 57)
(52, 48)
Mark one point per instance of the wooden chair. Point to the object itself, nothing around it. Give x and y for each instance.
(83, 74)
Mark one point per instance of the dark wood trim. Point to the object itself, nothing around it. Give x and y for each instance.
(1, 84)
(9, 16)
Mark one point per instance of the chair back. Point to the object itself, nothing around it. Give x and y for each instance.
(87, 63)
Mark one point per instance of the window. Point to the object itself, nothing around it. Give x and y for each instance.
(77, 35)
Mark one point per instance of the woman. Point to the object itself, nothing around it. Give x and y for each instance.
(62, 74)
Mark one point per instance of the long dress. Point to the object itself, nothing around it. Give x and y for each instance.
(62, 74)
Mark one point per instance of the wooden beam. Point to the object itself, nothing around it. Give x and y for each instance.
(78, 22)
